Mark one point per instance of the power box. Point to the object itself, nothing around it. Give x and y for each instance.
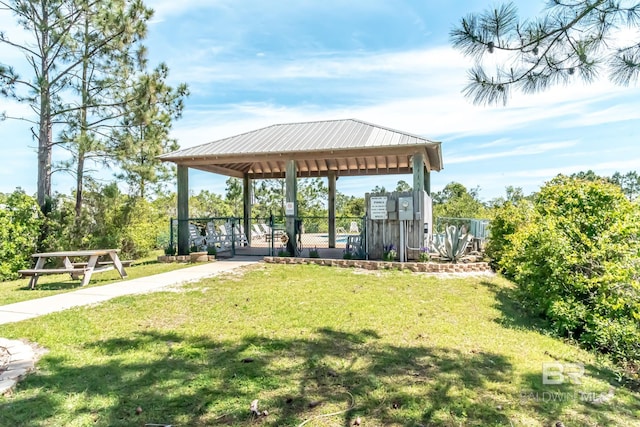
(405, 208)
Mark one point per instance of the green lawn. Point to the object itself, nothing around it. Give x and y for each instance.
(18, 290)
(394, 348)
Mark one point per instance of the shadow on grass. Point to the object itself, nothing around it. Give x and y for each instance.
(552, 400)
(196, 381)
(513, 314)
(62, 285)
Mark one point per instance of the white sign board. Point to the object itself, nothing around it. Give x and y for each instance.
(288, 209)
(378, 207)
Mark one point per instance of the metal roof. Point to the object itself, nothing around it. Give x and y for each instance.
(348, 147)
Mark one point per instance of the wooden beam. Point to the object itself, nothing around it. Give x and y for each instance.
(183, 210)
(246, 204)
(301, 155)
(219, 170)
(418, 172)
(332, 209)
(291, 192)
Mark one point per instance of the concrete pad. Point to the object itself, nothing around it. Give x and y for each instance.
(10, 317)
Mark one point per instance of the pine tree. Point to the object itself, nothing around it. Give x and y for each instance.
(144, 131)
(107, 43)
(573, 39)
(50, 23)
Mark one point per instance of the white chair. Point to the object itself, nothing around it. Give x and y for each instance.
(238, 234)
(212, 237)
(353, 228)
(257, 232)
(195, 238)
(266, 229)
(224, 236)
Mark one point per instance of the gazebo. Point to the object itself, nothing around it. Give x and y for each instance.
(331, 148)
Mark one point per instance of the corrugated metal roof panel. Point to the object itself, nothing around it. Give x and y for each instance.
(298, 137)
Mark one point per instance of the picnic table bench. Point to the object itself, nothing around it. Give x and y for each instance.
(76, 269)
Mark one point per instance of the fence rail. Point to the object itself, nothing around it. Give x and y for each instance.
(265, 234)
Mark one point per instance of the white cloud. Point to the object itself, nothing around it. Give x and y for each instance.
(520, 151)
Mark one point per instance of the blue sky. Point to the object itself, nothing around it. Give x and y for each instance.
(254, 63)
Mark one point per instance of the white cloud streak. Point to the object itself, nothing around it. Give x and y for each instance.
(520, 151)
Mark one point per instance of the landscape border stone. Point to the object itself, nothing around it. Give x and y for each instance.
(417, 267)
(19, 359)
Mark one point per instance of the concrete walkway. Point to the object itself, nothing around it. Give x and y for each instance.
(86, 296)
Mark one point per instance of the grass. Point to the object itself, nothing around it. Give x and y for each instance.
(394, 348)
(18, 290)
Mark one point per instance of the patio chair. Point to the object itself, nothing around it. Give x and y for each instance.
(195, 238)
(257, 232)
(277, 232)
(354, 244)
(224, 235)
(353, 228)
(266, 229)
(212, 237)
(238, 234)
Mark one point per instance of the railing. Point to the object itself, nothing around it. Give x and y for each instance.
(267, 233)
(479, 228)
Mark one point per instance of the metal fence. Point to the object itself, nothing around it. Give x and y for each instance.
(314, 232)
(479, 228)
(266, 236)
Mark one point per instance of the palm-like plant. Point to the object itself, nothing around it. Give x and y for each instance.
(452, 244)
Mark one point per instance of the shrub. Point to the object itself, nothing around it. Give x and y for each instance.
(20, 221)
(143, 224)
(389, 252)
(577, 264)
(508, 219)
(313, 253)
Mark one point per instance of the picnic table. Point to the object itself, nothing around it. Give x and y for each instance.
(76, 269)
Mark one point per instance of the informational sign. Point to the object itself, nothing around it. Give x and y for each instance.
(378, 207)
(289, 209)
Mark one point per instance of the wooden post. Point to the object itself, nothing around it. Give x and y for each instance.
(291, 192)
(427, 181)
(183, 210)
(332, 208)
(418, 172)
(246, 201)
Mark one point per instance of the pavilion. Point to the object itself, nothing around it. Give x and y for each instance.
(331, 148)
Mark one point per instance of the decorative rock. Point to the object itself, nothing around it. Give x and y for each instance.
(7, 385)
(424, 267)
(18, 361)
(198, 257)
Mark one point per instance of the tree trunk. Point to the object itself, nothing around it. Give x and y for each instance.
(45, 127)
(83, 141)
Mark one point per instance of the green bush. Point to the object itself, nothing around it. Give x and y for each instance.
(508, 219)
(576, 260)
(109, 219)
(20, 221)
(142, 227)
